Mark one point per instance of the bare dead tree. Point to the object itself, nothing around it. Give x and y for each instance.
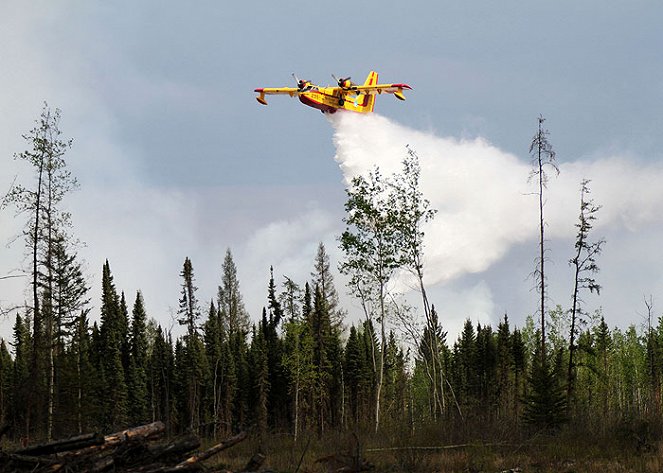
(543, 157)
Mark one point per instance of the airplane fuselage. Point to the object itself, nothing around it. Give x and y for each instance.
(329, 100)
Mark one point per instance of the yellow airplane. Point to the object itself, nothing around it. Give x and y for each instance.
(346, 96)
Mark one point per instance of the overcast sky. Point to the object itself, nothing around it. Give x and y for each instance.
(176, 158)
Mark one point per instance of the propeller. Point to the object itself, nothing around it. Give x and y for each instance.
(301, 84)
(343, 82)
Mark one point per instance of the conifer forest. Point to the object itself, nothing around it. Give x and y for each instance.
(306, 368)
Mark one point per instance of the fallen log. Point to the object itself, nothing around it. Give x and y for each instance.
(144, 432)
(56, 446)
(210, 452)
(128, 451)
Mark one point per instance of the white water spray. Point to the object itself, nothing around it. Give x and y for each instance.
(485, 204)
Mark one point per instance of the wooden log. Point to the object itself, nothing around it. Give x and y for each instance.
(63, 445)
(179, 446)
(142, 432)
(210, 452)
(147, 431)
(161, 457)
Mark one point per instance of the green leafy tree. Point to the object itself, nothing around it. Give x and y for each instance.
(413, 212)
(372, 245)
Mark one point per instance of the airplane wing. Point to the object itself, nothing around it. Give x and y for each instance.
(396, 89)
(291, 91)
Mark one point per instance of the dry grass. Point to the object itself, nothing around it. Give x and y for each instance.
(570, 451)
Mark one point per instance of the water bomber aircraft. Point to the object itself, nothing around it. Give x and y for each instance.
(345, 96)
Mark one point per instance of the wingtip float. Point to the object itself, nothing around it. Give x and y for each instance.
(345, 96)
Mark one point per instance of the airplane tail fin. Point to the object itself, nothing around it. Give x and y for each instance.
(372, 79)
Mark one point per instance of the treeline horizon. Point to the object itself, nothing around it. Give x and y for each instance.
(301, 369)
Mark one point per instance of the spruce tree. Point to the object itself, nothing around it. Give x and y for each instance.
(191, 359)
(114, 391)
(85, 376)
(353, 367)
(234, 317)
(138, 363)
(20, 405)
(504, 389)
(545, 402)
(259, 374)
(160, 380)
(323, 278)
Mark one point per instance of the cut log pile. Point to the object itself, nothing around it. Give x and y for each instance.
(129, 451)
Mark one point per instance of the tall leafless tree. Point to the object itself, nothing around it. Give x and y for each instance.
(543, 157)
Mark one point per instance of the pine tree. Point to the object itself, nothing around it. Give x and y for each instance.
(519, 355)
(138, 363)
(20, 409)
(114, 410)
(603, 346)
(320, 329)
(466, 367)
(431, 357)
(234, 317)
(213, 339)
(353, 367)
(278, 393)
(160, 380)
(486, 367)
(545, 403)
(259, 374)
(191, 362)
(323, 278)
(84, 378)
(297, 360)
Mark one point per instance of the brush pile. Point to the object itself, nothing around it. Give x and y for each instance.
(130, 451)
